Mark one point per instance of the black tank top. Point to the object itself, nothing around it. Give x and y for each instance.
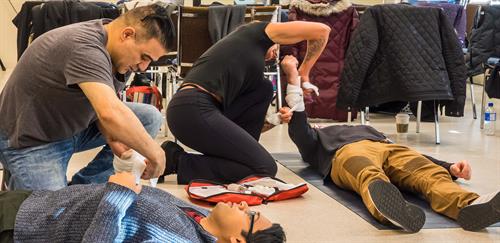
(234, 63)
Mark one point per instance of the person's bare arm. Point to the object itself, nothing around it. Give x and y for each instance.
(316, 35)
(289, 65)
(119, 124)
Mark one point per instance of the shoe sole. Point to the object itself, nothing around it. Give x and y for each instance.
(479, 216)
(390, 203)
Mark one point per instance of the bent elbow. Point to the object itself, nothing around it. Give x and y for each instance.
(325, 30)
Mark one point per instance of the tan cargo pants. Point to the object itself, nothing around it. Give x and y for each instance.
(358, 164)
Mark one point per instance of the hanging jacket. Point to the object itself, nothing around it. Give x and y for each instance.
(492, 85)
(222, 20)
(23, 23)
(60, 13)
(342, 18)
(403, 53)
(485, 39)
(455, 14)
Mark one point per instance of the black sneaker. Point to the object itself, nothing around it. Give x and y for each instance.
(172, 153)
(389, 201)
(482, 213)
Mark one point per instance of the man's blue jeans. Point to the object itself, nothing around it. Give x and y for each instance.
(44, 166)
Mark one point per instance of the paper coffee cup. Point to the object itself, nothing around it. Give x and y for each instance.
(402, 122)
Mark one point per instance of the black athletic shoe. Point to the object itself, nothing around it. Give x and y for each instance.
(480, 214)
(172, 153)
(390, 203)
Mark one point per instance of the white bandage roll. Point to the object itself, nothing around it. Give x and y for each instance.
(134, 163)
(308, 85)
(294, 97)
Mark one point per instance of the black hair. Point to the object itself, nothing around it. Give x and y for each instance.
(273, 234)
(155, 22)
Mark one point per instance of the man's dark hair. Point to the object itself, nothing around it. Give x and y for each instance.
(273, 234)
(154, 22)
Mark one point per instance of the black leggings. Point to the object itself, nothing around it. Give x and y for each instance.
(228, 140)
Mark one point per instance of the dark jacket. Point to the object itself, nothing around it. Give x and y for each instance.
(403, 53)
(56, 14)
(318, 147)
(455, 14)
(60, 13)
(22, 21)
(222, 20)
(492, 85)
(342, 18)
(485, 39)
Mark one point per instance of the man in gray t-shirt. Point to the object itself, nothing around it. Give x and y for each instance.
(62, 98)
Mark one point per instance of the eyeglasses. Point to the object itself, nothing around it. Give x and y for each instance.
(252, 215)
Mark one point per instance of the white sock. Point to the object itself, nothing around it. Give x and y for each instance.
(485, 198)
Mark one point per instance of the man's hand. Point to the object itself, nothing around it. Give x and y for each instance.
(285, 114)
(127, 180)
(156, 167)
(461, 169)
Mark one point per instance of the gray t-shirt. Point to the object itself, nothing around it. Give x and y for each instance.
(42, 102)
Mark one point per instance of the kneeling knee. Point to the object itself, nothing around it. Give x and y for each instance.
(271, 168)
(151, 118)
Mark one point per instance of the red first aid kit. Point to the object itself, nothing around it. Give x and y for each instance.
(145, 94)
(254, 190)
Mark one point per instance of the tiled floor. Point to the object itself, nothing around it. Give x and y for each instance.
(317, 218)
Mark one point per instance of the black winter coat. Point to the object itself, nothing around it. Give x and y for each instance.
(403, 53)
(485, 39)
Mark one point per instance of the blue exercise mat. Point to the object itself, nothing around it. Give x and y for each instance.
(352, 200)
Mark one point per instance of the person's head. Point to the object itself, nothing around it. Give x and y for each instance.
(139, 36)
(236, 223)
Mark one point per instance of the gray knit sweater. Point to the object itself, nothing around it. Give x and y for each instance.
(107, 213)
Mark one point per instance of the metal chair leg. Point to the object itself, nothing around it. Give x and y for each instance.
(419, 115)
(436, 123)
(472, 98)
(278, 88)
(349, 116)
(363, 118)
(483, 101)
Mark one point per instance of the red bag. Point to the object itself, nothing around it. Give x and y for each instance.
(145, 94)
(254, 190)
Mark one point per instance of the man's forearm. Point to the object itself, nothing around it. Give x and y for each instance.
(120, 124)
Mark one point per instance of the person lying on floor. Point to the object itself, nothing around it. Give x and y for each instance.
(120, 211)
(362, 159)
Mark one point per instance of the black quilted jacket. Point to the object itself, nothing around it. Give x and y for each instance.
(485, 39)
(403, 53)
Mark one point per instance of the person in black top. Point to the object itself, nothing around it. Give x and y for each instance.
(220, 108)
(362, 159)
